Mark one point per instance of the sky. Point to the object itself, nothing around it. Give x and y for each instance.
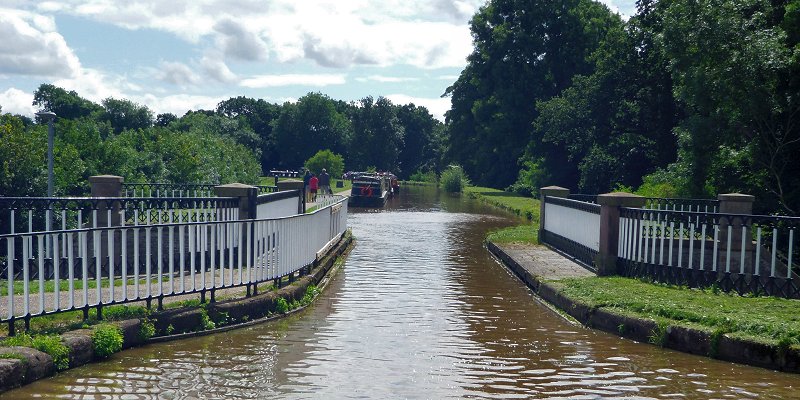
(179, 55)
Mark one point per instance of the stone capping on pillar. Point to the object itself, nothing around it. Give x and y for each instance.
(247, 197)
(552, 191)
(621, 199)
(610, 203)
(106, 185)
(736, 203)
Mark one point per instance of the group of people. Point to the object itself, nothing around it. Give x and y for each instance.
(314, 184)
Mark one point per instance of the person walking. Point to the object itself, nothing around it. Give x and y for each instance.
(313, 185)
(325, 182)
(306, 180)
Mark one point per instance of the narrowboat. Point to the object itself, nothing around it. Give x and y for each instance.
(369, 190)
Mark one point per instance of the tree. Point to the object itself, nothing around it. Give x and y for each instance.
(23, 158)
(615, 125)
(421, 148)
(67, 105)
(332, 163)
(377, 135)
(310, 125)
(524, 51)
(165, 119)
(259, 115)
(735, 68)
(125, 114)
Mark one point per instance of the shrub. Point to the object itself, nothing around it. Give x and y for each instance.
(333, 163)
(147, 330)
(454, 180)
(52, 345)
(206, 321)
(107, 340)
(423, 176)
(281, 306)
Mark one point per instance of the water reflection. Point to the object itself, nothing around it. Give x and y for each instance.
(419, 311)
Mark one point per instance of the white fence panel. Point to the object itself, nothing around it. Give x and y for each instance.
(580, 226)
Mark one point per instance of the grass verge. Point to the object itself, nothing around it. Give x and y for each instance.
(767, 320)
(520, 234)
(522, 206)
(526, 207)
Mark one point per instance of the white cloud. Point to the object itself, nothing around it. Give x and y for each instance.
(215, 68)
(178, 104)
(385, 79)
(30, 46)
(319, 80)
(626, 8)
(422, 33)
(236, 40)
(177, 74)
(16, 101)
(436, 106)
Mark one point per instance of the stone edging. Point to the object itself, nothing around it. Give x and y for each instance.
(35, 365)
(688, 340)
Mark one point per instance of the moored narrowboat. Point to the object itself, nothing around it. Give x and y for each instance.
(369, 190)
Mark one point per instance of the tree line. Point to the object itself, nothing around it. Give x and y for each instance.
(685, 98)
(239, 141)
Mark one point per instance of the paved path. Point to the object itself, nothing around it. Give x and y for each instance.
(544, 263)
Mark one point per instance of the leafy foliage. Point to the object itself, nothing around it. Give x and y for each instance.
(332, 163)
(689, 98)
(50, 344)
(453, 179)
(107, 340)
(281, 306)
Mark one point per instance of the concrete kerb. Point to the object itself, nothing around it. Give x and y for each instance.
(680, 338)
(28, 364)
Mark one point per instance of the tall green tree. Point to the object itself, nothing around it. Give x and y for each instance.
(124, 114)
(377, 135)
(524, 51)
(66, 104)
(259, 115)
(735, 65)
(422, 141)
(307, 126)
(615, 124)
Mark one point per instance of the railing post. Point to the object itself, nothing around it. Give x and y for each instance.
(552, 191)
(610, 203)
(247, 198)
(107, 186)
(294, 184)
(248, 209)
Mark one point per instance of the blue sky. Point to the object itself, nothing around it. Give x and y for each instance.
(177, 55)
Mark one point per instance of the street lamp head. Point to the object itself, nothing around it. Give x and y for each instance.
(46, 116)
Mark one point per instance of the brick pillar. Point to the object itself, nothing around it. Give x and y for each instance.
(610, 203)
(247, 198)
(552, 191)
(107, 186)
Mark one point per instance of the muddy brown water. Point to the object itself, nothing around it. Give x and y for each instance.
(420, 310)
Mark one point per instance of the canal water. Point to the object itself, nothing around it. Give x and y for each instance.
(420, 310)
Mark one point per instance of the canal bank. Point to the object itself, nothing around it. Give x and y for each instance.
(540, 269)
(23, 365)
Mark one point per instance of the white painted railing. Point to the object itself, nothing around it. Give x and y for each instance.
(123, 264)
(574, 220)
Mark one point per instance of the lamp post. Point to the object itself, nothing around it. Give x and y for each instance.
(49, 117)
